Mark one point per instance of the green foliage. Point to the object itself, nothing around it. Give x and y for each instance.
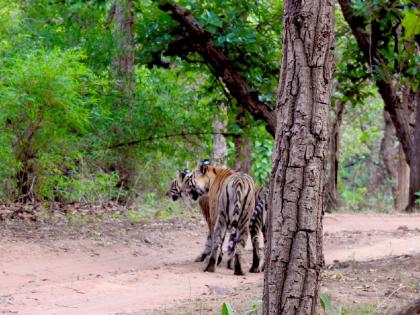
(45, 102)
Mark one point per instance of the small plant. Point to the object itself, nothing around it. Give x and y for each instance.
(134, 216)
(418, 197)
(327, 306)
(227, 309)
(255, 307)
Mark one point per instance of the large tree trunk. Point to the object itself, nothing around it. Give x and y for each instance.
(243, 145)
(403, 181)
(415, 162)
(331, 188)
(294, 247)
(220, 150)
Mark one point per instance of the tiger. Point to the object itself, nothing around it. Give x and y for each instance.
(176, 191)
(257, 222)
(232, 198)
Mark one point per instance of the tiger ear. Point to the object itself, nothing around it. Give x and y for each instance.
(203, 167)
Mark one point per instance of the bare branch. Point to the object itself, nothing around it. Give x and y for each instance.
(182, 134)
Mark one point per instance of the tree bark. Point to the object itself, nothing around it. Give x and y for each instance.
(331, 192)
(200, 41)
(123, 60)
(403, 181)
(294, 247)
(122, 12)
(243, 145)
(220, 150)
(388, 155)
(415, 163)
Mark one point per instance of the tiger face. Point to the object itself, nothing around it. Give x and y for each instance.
(177, 186)
(200, 180)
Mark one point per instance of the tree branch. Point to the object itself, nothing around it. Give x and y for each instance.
(199, 40)
(182, 134)
(394, 104)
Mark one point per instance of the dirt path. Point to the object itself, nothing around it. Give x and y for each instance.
(155, 273)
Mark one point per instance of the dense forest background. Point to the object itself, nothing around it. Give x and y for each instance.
(106, 100)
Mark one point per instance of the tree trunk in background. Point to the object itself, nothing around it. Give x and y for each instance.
(243, 145)
(388, 155)
(331, 189)
(403, 180)
(415, 162)
(123, 61)
(122, 12)
(220, 150)
(294, 248)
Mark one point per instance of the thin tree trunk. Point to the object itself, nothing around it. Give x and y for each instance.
(220, 150)
(403, 180)
(122, 12)
(415, 162)
(123, 61)
(243, 145)
(388, 154)
(331, 192)
(294, 248)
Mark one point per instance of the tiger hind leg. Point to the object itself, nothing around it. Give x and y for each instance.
(219, 233)
(256, 251)
(240, 247)
(231, 248)
(206, 251)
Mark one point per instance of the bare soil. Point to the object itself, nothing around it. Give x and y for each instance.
(83, 266)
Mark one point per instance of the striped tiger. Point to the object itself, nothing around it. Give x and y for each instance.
(176, 191)
(232, 197)
(257, 222)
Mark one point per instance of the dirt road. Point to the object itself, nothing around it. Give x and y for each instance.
(154, 272)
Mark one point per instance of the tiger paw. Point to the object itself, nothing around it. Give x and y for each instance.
(219, 260)
(230, 263)
(200, 258)
(210, 268)
(255, 270)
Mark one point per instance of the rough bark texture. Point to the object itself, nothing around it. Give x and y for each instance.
(122, 12)
(331, 189)
(196, 39)
(220, 150)
(403, 181)
(294, 248)
(243, 145)
(123, 61)
(415, 163)
(388, 155)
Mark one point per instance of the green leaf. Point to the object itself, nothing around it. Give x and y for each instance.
(411, 23)
(326, 304)
(227, 309)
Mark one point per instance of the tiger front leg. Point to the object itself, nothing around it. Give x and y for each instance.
(219, 232)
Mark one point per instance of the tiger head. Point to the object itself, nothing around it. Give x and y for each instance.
(202, 177)
(177, 188)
